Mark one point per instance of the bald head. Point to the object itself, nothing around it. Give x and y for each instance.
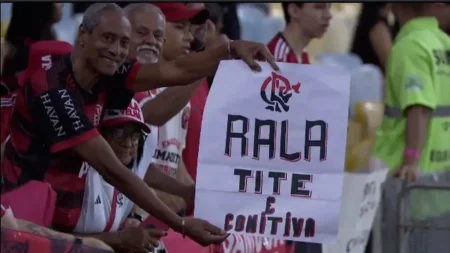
(147, 38)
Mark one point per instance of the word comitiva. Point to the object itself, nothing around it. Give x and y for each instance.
(289, 226)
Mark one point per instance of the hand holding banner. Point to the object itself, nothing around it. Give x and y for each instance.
(272, 150)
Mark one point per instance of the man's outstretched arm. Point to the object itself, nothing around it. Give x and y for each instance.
(157, 179)
(8, 221)
(160, 109)
(188, 69)
(116, 174)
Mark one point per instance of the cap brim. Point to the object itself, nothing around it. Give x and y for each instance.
(119, 121)
(201, 17)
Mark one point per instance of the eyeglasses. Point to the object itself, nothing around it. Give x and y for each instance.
(121, 134)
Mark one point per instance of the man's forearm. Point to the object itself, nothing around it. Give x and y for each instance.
(417, 121)
(138, 191)
(29, 227)
(159, 180)
(168, 103)
(183, 71)
(112, 238)
(23, 225)
(111, 169)
(183, 175)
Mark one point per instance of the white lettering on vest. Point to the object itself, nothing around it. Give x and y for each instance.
(52, 115)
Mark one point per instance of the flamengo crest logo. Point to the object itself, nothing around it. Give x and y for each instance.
(280, 91)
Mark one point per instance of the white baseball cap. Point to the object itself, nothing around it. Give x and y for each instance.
(133, 114)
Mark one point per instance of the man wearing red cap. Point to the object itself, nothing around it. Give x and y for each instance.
(58, 112)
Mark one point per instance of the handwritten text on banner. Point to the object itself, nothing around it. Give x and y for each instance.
(272, 151)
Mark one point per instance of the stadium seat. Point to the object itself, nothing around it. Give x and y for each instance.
(34, 202)
(358, 158)
(347, 60)
(369, 114)
(366, 85)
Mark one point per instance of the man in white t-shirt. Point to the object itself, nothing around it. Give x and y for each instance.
(167, 110)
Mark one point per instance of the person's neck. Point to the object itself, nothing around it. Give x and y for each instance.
(296, 38)
(408, 16)
(85, 77)
(403, 19)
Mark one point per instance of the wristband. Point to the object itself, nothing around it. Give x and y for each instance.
(412, 153)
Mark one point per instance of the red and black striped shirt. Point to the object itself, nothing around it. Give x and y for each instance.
(283, 52)
(52, 114)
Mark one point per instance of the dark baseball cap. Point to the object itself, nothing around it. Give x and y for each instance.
(179, 12)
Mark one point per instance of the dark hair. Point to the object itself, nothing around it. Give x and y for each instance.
(369, 17)
(371, 12)
(140, 151)
(215, 13)
(30, 20)
(285, 6)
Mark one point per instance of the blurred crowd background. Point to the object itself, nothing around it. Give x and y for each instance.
(337, 39)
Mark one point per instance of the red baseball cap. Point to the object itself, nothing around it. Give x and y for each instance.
(179, 12)
(133, 114)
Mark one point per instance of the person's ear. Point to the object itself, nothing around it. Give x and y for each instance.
(82, 34)
(293, 10)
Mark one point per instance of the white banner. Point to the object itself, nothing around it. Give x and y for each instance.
(272, 150)
(361, 198)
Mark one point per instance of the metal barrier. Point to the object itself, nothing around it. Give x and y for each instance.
(419, 233)
(415, 218)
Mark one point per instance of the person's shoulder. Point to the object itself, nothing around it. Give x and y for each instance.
(46, 77)
(273, 42)
(422, 39)
(410, 44)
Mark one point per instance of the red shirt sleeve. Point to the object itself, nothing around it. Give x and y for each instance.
(60, 119)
